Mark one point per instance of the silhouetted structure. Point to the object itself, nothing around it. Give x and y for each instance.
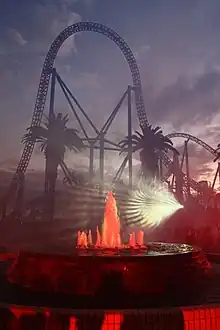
(100, 141)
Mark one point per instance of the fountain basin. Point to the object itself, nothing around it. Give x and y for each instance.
(156, 272)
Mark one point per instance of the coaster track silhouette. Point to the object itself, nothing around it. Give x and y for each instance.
(44, 84)
(189, 137)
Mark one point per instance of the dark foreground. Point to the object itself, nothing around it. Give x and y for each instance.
(162, 281)
(167, 319)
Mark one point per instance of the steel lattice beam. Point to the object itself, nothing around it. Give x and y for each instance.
(48, 66)
(194, 139)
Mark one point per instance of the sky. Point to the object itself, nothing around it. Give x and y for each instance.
(177, 47)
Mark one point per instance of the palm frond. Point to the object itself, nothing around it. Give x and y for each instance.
(35, 134)
(65, 119)
(139, 134)
(72, 141)
(54, 137)
(167, 140)
(124, 144)
(157, 130)
(136, 138)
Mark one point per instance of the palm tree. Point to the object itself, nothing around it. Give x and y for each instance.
(151, 143)
(55, 139)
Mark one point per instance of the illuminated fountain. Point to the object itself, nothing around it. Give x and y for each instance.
(110, 274)
(110, 237)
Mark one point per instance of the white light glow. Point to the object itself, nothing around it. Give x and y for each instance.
(150, 205)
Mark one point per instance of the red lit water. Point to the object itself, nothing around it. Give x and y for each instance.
(110, 235)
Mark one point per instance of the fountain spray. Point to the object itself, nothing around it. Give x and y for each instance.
(110, 235)
(150, 205)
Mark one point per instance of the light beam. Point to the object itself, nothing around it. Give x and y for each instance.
(150, 205)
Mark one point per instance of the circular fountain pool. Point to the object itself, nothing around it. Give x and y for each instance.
(158, 272)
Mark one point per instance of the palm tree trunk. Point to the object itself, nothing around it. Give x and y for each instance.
(50, 186)
(52, 189)
(149, 165)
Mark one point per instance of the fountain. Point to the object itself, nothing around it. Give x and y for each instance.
(110, 237)
(129, 273)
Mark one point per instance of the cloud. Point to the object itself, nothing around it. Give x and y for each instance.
(24, 44)
(179, 66)
(58, 25)
(191, 105)
(188, 99)
(16, 37)
(90, 80)
(45, 20)
(142, 52)
(206, 171)
(70, 2)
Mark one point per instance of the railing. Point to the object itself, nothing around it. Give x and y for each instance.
(202, 317)
(187, 318)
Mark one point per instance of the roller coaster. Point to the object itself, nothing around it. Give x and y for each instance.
(49, 78)
(190, 183)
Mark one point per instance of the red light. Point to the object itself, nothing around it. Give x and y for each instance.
(195, 318)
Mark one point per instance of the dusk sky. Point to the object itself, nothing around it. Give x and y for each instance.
(176, 44)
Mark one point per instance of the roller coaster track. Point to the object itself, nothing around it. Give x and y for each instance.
(194, 139)
(168, 162)
(45, 80)
(48, 66)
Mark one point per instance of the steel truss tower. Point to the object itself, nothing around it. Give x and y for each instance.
(100, 141)
(46, 74)
(48, 71)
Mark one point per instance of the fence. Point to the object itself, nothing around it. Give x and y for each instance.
(189, 318)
